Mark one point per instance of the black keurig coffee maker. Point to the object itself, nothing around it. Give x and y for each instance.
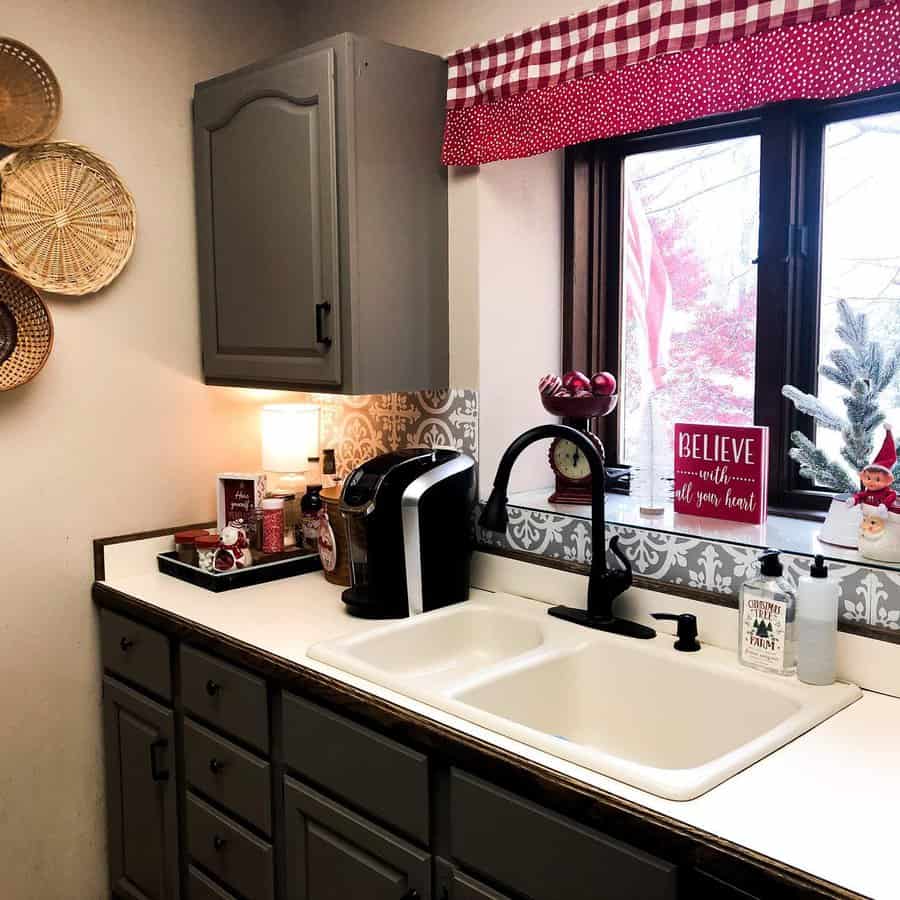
(407, 515)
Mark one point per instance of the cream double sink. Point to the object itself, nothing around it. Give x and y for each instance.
(674, 724)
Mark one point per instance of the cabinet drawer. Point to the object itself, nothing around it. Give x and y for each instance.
(371, 772)
(199, 887)
(229, 851)
(229, 699)
(234, 778)
(136, 653)
(545, 856)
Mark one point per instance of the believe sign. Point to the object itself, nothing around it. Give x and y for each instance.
(721, 471)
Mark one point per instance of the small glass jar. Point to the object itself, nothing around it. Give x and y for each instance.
(207, 545)
(273, 525)
(186, 545)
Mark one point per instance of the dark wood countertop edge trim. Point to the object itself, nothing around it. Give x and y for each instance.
(577, 796)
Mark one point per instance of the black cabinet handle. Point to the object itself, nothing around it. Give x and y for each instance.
(157, 772)
(411, 894)
(219, 842)
(213, 687)
(216, 766)
(126, 644)
(321, 309)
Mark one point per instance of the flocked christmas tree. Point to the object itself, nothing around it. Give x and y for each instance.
(863, 370)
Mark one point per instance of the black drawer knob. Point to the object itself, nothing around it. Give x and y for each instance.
(126, 644)
(411, 894)
(219, 842)
(216, 766)
(213, 687)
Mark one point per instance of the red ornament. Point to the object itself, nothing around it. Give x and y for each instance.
(576, 381)
(549, 385)
(603, 384)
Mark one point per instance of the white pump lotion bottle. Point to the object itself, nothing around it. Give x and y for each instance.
(817, 611)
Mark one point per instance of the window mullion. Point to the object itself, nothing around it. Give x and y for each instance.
(778, 323)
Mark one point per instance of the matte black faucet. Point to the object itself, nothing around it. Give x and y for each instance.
(604, 584)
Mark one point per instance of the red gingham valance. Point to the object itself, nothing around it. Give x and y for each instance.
(638, 64)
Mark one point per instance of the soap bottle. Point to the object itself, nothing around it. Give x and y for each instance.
(817, 613)
(766, 620)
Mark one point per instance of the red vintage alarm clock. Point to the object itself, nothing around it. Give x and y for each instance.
(570, 466)
(572, 469)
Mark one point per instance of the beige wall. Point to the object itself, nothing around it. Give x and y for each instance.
(505, 228)
(118, 433)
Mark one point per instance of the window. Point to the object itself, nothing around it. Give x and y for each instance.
(752, 227)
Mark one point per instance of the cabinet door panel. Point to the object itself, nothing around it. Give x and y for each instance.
(267, 210)
(335, 868)
(140, 793)
(452, 884)
(333, 854)
(550, 856)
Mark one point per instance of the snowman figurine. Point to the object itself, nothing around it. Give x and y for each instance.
(879, 529)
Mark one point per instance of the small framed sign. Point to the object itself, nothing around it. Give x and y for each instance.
(721, 471)
(237, 495)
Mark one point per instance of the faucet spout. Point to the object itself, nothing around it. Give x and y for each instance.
(604, 584)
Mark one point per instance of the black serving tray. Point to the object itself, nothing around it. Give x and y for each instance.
(265, 568)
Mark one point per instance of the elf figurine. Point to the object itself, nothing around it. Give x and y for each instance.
(878, 478)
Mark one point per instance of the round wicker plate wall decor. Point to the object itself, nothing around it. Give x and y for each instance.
(26, 332)
(30, 96)
(67, 222)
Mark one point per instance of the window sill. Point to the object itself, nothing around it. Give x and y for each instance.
(785, 533)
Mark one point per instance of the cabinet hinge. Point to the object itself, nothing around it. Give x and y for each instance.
(797, 242)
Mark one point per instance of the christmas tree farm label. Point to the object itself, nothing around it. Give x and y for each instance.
(721, 471)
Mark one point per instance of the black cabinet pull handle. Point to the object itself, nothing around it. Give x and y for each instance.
(157, 772)
(213, 687)
(216, 766)
(126, 644)
(219, 842)
(411, 894)
(321, 309)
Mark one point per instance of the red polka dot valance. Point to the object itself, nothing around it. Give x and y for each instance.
(633, 65)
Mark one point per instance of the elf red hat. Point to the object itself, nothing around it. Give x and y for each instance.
(887, 455)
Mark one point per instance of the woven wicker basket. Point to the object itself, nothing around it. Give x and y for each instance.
(26, 332)
(30, 96)
(67, 222)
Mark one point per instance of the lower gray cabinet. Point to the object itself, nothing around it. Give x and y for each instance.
(452, 884)
(236, 856)
(140, 795)
(333, 854)
(545, 856)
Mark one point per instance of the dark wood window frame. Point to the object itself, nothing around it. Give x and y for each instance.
(788, 263)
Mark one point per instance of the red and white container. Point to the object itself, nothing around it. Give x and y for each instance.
(272, 525)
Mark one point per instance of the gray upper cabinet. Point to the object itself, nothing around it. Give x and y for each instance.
(322, 220)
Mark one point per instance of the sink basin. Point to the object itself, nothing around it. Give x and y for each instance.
(646, 709)
(440, 648)
(674, 724)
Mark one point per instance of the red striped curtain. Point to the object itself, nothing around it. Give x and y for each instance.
(633, 65)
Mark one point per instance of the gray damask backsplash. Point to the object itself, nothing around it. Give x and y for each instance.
(869, 595)
(362, 427)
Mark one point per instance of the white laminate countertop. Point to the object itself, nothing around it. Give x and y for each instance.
(828, 803)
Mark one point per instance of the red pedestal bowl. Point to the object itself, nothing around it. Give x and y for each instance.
(580, 407)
